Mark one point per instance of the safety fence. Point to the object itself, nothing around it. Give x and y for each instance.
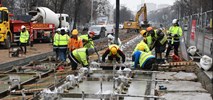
(197, 29)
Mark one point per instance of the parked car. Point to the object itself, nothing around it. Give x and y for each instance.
(110, 29)
(99, 31)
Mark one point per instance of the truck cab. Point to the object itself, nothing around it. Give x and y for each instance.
(64, 18)
(5, 34)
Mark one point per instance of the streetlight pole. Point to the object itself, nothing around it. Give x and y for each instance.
(91, 18)
(117, 20)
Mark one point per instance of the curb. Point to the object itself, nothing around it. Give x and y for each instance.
(19, 62)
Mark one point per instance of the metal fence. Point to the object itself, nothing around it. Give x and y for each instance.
(198, 31)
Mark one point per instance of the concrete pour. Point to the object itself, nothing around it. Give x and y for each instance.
(187, 96)
(181, 86)
(176, 76)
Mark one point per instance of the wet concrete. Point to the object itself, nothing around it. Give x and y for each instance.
(137, 88)
(181, 86)
(93, 87)
(187, 96)
(176, 76)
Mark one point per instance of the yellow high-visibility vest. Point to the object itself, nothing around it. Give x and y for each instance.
(24, 36)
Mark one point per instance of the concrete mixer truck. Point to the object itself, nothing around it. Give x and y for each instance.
(45, 15)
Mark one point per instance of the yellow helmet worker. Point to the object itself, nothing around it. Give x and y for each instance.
(75, 32)
(114, 50)
(141, 48)
(143, 33)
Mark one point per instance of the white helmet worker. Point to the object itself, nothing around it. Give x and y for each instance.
(174, 21)
(23, 27)
(110, 37)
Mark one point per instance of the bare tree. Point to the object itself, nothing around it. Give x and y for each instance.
(125, 14)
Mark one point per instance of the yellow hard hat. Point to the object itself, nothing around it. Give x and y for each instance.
(75, 32)
(141, 47)
(114, 50)
(143, 32)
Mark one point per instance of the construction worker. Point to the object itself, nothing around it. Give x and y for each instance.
(160, 45)
(80, 56)
(55, 42)
(63, 39)
(113, 52)
(74, 42)
(142, 46)
(145, 60)
(175, 32)
(24, 37)
(150, 37)
(111, 40)
(87, 40)
(143, 33)
(85, 31)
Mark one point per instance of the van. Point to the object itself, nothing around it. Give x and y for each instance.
(110, 29)
(99, 31)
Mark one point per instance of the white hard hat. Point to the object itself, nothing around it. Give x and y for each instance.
(62, 29)
(174, 21)
(66, 29)
(22, 27)
(110, 36)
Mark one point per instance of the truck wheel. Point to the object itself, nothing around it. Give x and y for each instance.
(7, 42)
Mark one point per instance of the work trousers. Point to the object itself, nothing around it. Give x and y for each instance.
(170, 46)
(159, 48)
(148, 64)
(56, 53)
(62, 54)
(23, 47)
(73, 61)
(110, 58)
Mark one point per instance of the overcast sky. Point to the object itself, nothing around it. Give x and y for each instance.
(132, 4)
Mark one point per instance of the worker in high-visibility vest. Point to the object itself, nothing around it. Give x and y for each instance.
(113, 52)
(24, 37)
(88, 40)
(160, 45)
(145, 60)
(55, 42)
(63, 39)
(151, 37)
(175, 32)
(81, 56)
(75, 42)
(142, 46)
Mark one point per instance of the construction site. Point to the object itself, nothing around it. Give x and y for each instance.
(39, 75)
